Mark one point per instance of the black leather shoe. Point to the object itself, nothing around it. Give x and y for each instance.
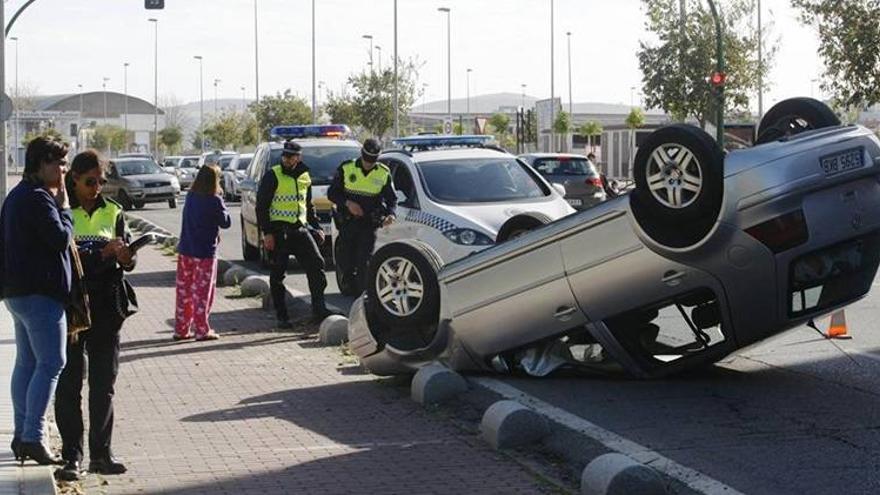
(106, 465)
(72, 471)
(16, 447)
(37, 451)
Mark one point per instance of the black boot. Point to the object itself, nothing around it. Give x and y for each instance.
(16, 447)
(37, 451)
(72, 471)
(106, 465)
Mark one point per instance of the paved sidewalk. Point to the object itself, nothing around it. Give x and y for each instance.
(261, 411)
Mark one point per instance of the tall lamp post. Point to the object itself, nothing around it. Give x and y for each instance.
(79, 131)
(379, 56)
(256, 56)
(396, 102)
(216, 82)
(104, 87)
(370, 37)
(243, 99)
(552, 78)
(201, 101)
(155, 85)
(314, 75)
(125, 100)
(15, 144)
(468, 75)
(448, 12)
(570, 101)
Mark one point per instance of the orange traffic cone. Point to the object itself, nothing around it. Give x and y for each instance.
(837, 328)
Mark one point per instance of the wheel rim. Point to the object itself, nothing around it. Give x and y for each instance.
(675, 176)
(399, 286)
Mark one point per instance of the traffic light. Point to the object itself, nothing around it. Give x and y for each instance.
(154, 4)
(717, 79)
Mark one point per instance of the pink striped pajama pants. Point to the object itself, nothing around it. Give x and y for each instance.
(196, 280)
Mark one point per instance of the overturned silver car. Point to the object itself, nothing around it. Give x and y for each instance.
(709, 253)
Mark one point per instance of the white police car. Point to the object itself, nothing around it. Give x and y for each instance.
(460, 195)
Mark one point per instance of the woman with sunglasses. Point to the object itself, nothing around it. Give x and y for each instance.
(35, 279)
(102, 241)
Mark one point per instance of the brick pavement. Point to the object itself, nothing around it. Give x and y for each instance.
(261, 411)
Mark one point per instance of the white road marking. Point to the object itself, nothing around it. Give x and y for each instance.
(690, 477)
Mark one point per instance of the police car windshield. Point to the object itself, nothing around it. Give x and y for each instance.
(486, 180)
(322, 160)
(138, 167)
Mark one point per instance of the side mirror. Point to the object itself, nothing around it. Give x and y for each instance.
(247, 184)
(559, 188)
(401, 197)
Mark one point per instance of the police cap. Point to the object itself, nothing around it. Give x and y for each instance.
(291, 148)
(371, 150)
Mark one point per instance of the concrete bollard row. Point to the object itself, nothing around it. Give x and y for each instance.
(508, 424)
(333, 330)
(436, 383)
(617, 474)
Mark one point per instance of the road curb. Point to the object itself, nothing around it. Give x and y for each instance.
(257, 283)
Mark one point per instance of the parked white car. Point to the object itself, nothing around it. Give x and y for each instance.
(460, 195)
(234, 173)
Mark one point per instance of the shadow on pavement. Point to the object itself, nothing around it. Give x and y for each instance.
(152, 279)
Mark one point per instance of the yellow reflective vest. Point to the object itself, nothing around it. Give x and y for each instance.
(100, 226)
(289, 203)
(359, 184)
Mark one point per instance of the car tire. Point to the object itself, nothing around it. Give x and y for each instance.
(248, 252)
(679, 177)
(793, 116)
(346, 287)
(124, 200)
(520, 225)
(403, 306)
(172, 203)
(138, 205)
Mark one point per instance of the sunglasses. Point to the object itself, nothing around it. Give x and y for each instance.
(92, 182)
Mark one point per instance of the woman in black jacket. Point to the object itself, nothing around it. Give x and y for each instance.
(35, 277)
(102, 241)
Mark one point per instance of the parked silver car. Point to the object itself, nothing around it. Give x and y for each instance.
(134, 182)
(234, 173)
(182, 167)
(709, 253)
(583, 186)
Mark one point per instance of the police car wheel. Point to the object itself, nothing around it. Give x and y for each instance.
(793, 116)
(520, 225)
(679, 176)
(402, 288)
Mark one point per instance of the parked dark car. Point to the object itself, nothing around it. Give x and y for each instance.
(583, 186)
(134, 182)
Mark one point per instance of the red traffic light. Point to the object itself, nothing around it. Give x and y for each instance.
(718, 79)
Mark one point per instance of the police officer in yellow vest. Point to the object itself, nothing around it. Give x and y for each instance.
(364, 198)
(101, 238)
(287, 219)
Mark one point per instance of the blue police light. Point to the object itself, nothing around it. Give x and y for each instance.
(443, 141)
(310, 131)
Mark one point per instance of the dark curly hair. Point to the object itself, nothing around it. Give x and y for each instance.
(43, 149)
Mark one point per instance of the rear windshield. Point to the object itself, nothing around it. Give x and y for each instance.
(224, 162)
(485, 180)
(321, 160)
(138, 167)
(243, 163)
(564, 166)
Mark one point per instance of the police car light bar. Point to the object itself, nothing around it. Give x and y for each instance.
(310, 131)
(441, 141)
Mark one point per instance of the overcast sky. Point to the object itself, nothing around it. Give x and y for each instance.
(63, 43)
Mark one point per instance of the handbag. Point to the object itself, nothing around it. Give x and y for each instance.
(79, 316)
(125, 298)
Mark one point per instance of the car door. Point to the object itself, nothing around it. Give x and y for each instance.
(248, 190)
(407, 200)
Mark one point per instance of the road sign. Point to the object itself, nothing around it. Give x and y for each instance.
(6, 107)
(447, 126)
(544, 108)
(154, 4)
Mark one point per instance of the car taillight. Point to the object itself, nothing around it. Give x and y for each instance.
(781, 233)
(593, 181)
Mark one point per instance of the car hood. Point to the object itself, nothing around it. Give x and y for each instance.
(489, 217)
(148, 177)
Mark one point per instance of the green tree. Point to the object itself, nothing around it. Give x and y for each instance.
(109, 137)
(849, 44)
(675, 69)
(562, 124)
(341, 110)
(457, 128)
(590, 130)
(228, 130)
(635, 119)
(49, 132)
(281, 109)
(372, 100)
(500, 123)
(171, 138)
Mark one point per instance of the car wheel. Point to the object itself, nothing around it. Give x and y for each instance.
(138, 204)
(346, 287)
(402, 288)
(679, 176)
(793, 116)
(124, 200)
(172, 203)
(520, 225)
(248, 252)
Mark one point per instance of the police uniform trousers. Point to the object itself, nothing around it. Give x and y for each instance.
(101, 344)
(356, 241)
(294, 239)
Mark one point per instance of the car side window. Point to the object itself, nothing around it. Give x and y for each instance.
(254, 167)
(403, 182)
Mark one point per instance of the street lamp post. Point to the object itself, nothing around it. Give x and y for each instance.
(448, 12)
(256, 56)
(552, 78)
(523, 87)
(201, 101)
(155, 85)
(15, 145)
(379, 56)
(314, 75)
(396, 102)
(469, 91)
(243, 99)
(370, 37)
(216, 82)
(79, 131)
(104, 86)
(570, 101)
(125, 99)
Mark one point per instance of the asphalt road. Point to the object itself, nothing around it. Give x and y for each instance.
(797, 414)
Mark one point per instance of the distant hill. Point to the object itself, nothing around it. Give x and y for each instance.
(493, 102)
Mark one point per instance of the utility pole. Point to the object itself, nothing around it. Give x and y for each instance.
(379, 55)
(79, 131)
(314, 75)
(256, 56)
(15, 120)
(201, 101)
(125, 100)
(469, 91)
(570, 101)
(448, 12)
(760, 64)
(552, 79)
(216, 82)
(155, 87)
(4, 152)
(396, 102)
(104, 86)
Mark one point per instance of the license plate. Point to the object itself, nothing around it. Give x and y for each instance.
(159, 190)
(842, 162)
(575, 202)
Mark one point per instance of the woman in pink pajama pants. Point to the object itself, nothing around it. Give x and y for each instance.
(204, 214)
